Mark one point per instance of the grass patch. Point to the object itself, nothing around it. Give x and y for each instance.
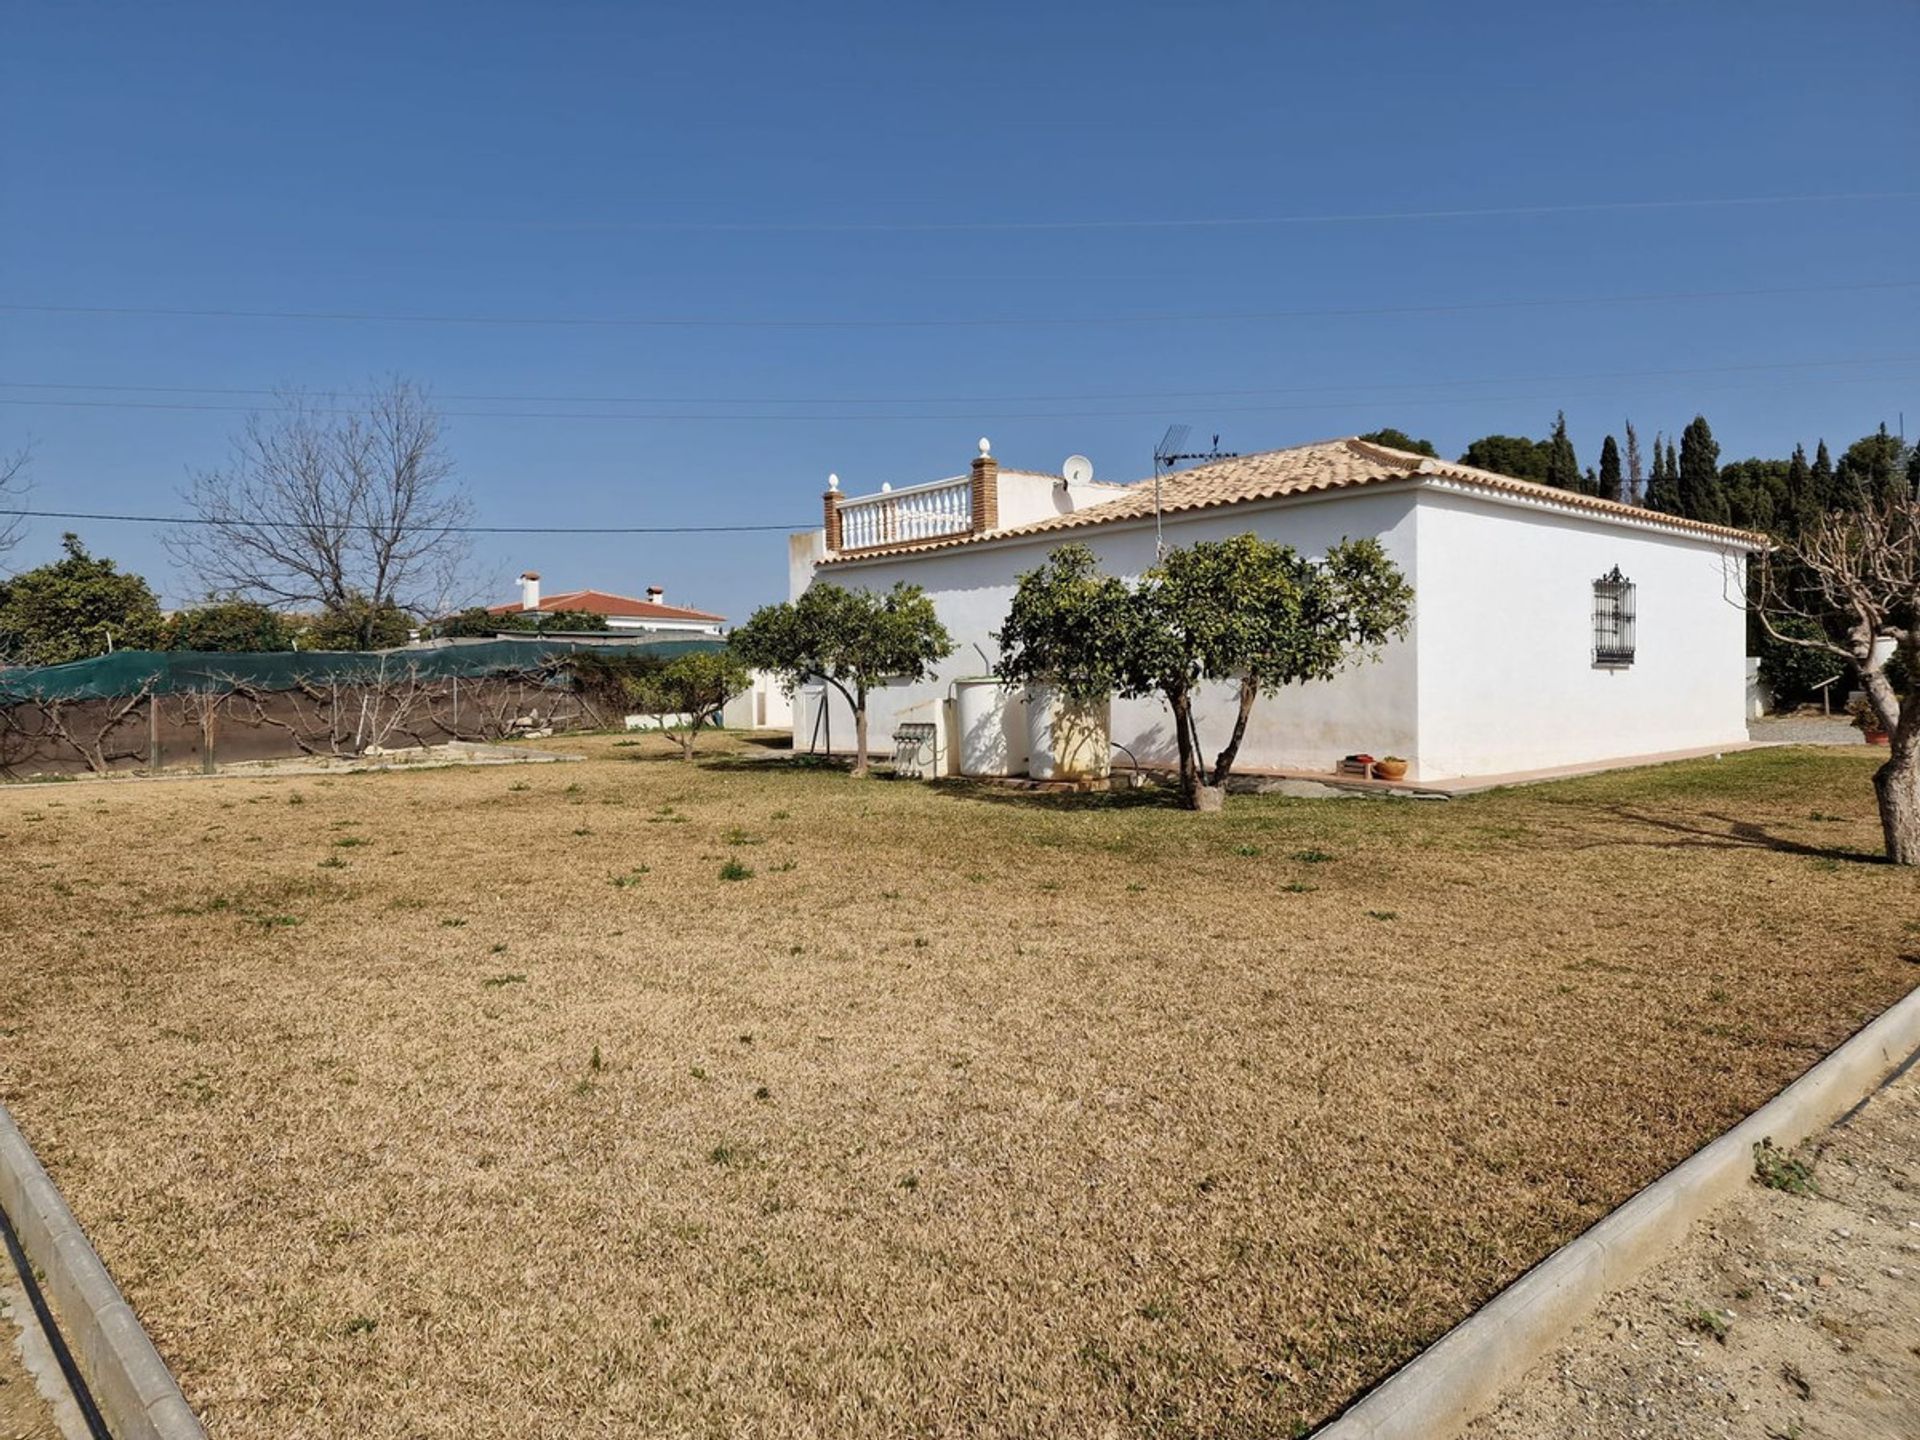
(1779, 1169)
(734, 870)
(1044, 1153)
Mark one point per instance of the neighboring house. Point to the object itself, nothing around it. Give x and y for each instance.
(1550, 628)
(651, 616)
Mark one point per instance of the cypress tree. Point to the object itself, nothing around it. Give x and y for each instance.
(1659, 485)
(1821, 487)
(1563, 466)
(1609, 486)
(1636, 472)
(1801, 509)
(1702, 497)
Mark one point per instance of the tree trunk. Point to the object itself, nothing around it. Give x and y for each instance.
(1897, 786)
(860, 737)
(1223, 763)
(1194, 795)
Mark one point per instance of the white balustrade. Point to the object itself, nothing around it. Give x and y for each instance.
(898, 517)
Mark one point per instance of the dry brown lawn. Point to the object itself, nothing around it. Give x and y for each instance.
(477, 1103)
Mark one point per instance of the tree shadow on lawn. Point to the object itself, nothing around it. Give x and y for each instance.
(1149, 797)
(1738, 835)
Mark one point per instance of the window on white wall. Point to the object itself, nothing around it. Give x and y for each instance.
(1613, 620)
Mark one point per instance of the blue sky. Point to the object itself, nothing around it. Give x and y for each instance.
(1059, 171)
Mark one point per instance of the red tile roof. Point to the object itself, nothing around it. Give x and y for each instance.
(602, 602)
(1329, 465)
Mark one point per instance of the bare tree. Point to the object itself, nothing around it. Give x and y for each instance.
(1855, 575)
(350, 510)
(13, 490)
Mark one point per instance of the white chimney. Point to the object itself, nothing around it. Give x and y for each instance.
(530, 590)
(656, 595)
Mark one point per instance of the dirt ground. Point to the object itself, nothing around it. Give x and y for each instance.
(745, 1099)
(24, 1413)
(1789, 1316)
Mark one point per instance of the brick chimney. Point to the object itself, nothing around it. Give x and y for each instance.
(530, 590)
(830, 506)
(986, 490)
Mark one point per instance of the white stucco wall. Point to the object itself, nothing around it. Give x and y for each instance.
(1506, 677)
(1306, 727)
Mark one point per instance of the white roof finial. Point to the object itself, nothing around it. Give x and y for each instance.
(886, 487)
(833, 482)
(986, 446)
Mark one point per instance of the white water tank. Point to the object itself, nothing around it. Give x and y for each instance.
(1067, 740)
(990, 723)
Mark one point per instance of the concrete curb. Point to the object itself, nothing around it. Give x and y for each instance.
(1434, 1394)
(135, 1391)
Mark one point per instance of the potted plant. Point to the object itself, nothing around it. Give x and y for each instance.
(1867, 722)
(1390, 767)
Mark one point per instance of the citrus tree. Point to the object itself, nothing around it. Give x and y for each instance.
(853, 640)
(689, 691)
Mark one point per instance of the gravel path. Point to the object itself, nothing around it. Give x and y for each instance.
(1805, 730)
(1793, 1317)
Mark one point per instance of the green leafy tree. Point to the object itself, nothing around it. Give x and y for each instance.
(75, 608)
(1563, 465)
(1069, 627)
(1701, 497)
(1608, 485)
(477, 620)
(1513, 455)
(1400, 440)
(1294, 619)
(227, 625)
(1872, 470)
(1756, 493)
(1792, 668)
(358, 624)
(689, 691)
(1243, 610)
(852, 640)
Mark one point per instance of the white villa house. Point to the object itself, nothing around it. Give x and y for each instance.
(1551, 629)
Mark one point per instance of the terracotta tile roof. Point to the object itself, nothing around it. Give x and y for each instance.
(601, 602)
(1304, 469)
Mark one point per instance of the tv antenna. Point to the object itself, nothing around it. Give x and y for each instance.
(1167, 456)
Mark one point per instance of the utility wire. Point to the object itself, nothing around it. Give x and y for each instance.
(875, 416)
(1117, 395)
(932, 322)
(1241, 222)
(425, 529)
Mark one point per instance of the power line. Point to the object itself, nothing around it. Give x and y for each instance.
(550, 399)
(870, 417)
(932, 322)
(1241, 222)
(425, 529)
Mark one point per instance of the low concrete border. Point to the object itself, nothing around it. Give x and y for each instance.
(1437, 1392)
(135, 1391)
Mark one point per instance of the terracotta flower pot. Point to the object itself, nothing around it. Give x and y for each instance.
(1390, 769)
(1876, 737)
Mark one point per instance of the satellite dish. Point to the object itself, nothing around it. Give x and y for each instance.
(1077, 469)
